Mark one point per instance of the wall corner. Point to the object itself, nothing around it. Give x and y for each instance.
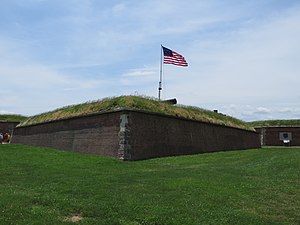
(124, 151)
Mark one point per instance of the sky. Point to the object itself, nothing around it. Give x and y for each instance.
(244, 56)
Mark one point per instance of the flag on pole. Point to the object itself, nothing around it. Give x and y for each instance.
(171, 57)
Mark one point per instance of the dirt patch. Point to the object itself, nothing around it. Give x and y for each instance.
(73, 219)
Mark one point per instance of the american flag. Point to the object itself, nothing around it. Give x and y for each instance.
(171, 57)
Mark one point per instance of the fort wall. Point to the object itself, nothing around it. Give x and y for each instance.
(133, 135)
(154, 135)
(96, 134)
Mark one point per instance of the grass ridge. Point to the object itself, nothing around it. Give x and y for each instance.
(267, 123)
(143, 103)
(12, 118)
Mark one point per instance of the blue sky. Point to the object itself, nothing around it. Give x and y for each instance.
(243, 55)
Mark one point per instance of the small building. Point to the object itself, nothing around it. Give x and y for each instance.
(279, 135)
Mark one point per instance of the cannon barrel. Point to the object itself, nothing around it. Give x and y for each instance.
(172, 101)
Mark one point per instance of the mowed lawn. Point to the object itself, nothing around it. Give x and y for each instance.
(46, 186)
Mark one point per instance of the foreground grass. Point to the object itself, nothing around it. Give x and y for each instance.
(45, 186)
(138, 103)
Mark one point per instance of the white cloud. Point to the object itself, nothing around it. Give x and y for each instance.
(6, 112)
(141, 72)
(28, 87)
(119, 9)
(262, 110)
(254, 112)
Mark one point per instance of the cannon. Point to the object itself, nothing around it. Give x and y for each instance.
(172, 101)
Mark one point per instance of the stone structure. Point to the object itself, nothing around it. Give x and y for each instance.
(279, 135)
(133, 135)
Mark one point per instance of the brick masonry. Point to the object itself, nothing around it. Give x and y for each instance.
(153, 135)
(270, 136)
(134, 135)
(97, 134)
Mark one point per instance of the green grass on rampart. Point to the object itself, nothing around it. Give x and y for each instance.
(12, 118)
(267, 123)
(46, 186)
(137, 103)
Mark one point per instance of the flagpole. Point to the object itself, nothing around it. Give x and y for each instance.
(160, 74)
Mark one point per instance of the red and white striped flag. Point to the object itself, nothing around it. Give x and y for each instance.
(171, 57)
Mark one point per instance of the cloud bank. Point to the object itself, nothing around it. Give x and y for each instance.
(243, 56)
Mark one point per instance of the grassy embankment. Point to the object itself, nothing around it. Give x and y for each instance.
(138, 103)
(267, 123)
(45, 186)
(12, 118)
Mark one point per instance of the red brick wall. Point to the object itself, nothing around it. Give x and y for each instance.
(153, 135)
(96, 134)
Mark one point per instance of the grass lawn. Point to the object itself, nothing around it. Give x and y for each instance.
(45, 186)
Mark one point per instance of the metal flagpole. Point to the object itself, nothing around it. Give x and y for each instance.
(160, 73)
